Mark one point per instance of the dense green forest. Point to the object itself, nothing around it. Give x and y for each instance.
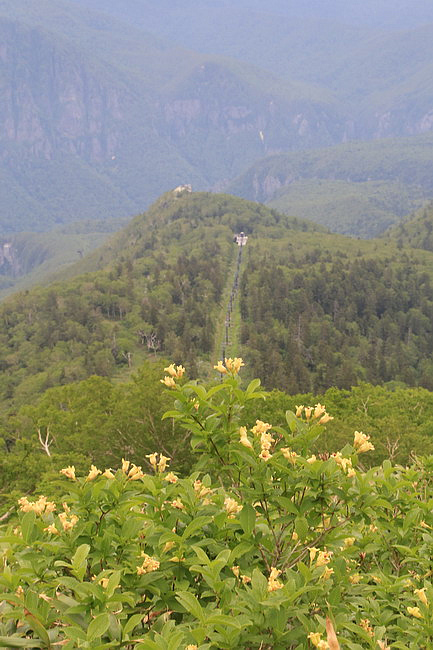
(315, 312)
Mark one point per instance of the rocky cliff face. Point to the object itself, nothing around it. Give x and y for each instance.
(9, 262)
(51, 102)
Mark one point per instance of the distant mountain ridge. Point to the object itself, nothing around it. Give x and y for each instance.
(102, 115)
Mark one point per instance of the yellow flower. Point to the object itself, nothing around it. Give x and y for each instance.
(299, 410)
(171, 370)
(220, 367)
(361, 442)
(315, 638)
(177, 503)
(261, 427)
(169, 382)
(180, 371)
(235, 570)
(414, 611)
(168, 546)
(104, 582)
(125, 466)
(349, 541)
(355, 578)
(327, 573)
(423, 524)
(273, 583)
(93, 473)
(312, 459)
(20, 591)
(325, 418)
(265, 455)
(135, 473)
(243, 437)
(382, 645)
(323, 558)
(232, 507)
(201, 490)
(234, 365)
(308, 410)
(319, 410)
(69, 472)
(171, 478)
(152, 459)
(420, 593)
(149, 564)
(108, 473)
(246, 580)
(191, 646)
(163, 462)
(313, 552)
(290, 455)
(52, 530)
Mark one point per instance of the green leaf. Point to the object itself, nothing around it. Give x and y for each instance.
(27, 526)
(98, 627)
(131, 624)
(196, 524)
(247, 519)
(78, 561)
(17, 642)
(301, 527)
(191, 604)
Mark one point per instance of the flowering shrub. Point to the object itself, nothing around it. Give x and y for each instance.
(256, 548)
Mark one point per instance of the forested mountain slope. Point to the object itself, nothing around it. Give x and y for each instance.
(316, 309)
(356, 188)
(416, 231)
(159, 290)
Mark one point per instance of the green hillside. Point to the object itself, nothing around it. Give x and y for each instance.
(314, 309)
(159, 290)
(357, 188)
(415, 231)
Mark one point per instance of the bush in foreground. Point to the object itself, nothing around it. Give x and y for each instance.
(255, 549)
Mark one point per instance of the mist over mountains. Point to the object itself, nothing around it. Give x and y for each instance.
(108, 104)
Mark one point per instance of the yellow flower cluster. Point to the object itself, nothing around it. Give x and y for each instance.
(158, 465)
(231, 365)
(149, 564)
(191, 646)
(273, 583)
(317, 412)
(323, 559)
(201, 492)
(69, 472)
(361, 442)
(290, 455)
(174, 372)
(245, 579)
(132, 471)
(67, 520)
(232, 507)
(365, 624)
(316, 640)
(266, 440)
(40, 507)
(344, 463)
